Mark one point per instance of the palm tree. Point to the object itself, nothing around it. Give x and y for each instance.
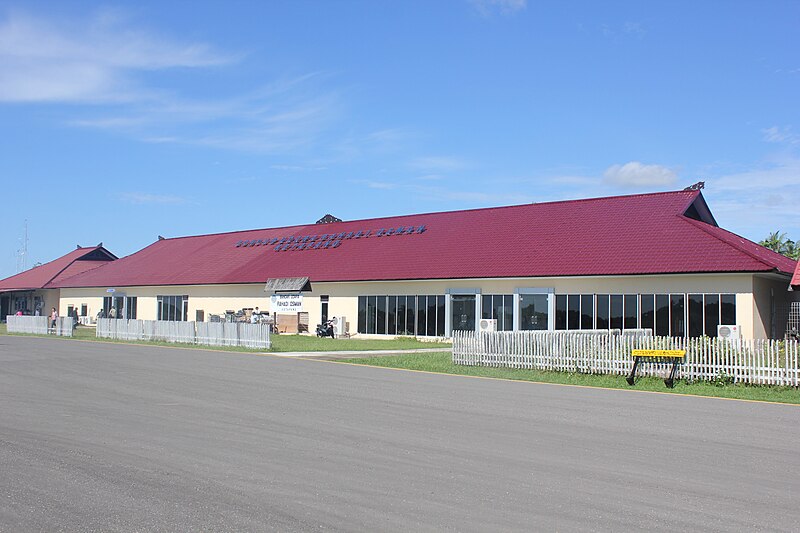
(778, 242)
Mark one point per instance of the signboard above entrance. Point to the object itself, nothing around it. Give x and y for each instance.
(327, 240)
(286, 303)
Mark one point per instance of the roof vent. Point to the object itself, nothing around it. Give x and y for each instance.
(328, 219)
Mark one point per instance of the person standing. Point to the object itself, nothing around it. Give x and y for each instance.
(53, 319)
(255, 316)
(112, 313)
(75, 318)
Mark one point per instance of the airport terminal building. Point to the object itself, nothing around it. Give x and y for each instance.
(656, 261)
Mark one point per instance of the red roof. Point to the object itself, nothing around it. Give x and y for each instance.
(796, 278)
(47, 275)
(640, 234)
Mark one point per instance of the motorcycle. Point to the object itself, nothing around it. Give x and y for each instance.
(325, 329)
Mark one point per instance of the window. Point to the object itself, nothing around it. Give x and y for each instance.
(380, 325)
(648, 311)
(533, 312)
(561, 311)
(662, 315)
(462, 307)
(124, 306)
(616, 311)
(707, 311)
(631, 316)
(696, 321)
(500, 307)
(401, 315)
(411, 313)
(728, 309)
(676, 311)
(587, 311)
(603, 311)
(362, 314)
(174, 308)
(391, 327)
(323, 299)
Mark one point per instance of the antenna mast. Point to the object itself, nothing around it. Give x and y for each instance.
(22, 253)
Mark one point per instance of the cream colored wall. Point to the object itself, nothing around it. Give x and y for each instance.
(212, 299)
(767, 291)
(78, 297)
(343, 301)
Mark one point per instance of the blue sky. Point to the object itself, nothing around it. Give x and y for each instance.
(121, 122)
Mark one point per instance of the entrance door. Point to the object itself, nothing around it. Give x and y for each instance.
(462, 312)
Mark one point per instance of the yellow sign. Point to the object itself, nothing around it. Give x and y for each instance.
(659, 353)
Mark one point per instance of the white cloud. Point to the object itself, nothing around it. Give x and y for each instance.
(781, 135)
(159, 199)
(760, 200)
(635, 174)
(504, 7)
(87, 62)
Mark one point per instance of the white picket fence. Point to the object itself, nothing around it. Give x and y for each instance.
(202, 333)
(39, 325)
(757, 362)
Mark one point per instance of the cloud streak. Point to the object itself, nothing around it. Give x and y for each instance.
(92, 62)
(504, 7)
(635, 174)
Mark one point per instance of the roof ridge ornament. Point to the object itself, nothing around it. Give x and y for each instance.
(328, 219)
(696, 187)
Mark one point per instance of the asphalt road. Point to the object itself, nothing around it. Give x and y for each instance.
(107, 437)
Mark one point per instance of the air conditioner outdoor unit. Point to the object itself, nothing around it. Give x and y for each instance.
(488, 324)
(729, 332)
(339, 326)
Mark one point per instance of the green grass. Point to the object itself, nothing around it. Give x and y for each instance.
(440, 362)
(281, 343)
(302, 343)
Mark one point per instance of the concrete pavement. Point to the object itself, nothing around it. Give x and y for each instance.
(108, 437)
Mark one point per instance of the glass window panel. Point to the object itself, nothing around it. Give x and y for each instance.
(728, 309)
(573, 311)
(711, 302)
(648, 312)
(695, 315)
(508, 312)
(401, 315)
(486, 306)
(603, 314)
(662, 315)
(372, 302)
(463, 312)
(497, 310)
(561, 311)
(587, 311)
(422, 308)
(431, 316)
(391, 325)
(616, 311)
(676, 311)
(185, 308)
(631, 311)
(411, 315)
(440, 316)
(362, 314)
(533, 312)
(380, 325)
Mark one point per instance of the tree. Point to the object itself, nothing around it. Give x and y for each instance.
(778, 242)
